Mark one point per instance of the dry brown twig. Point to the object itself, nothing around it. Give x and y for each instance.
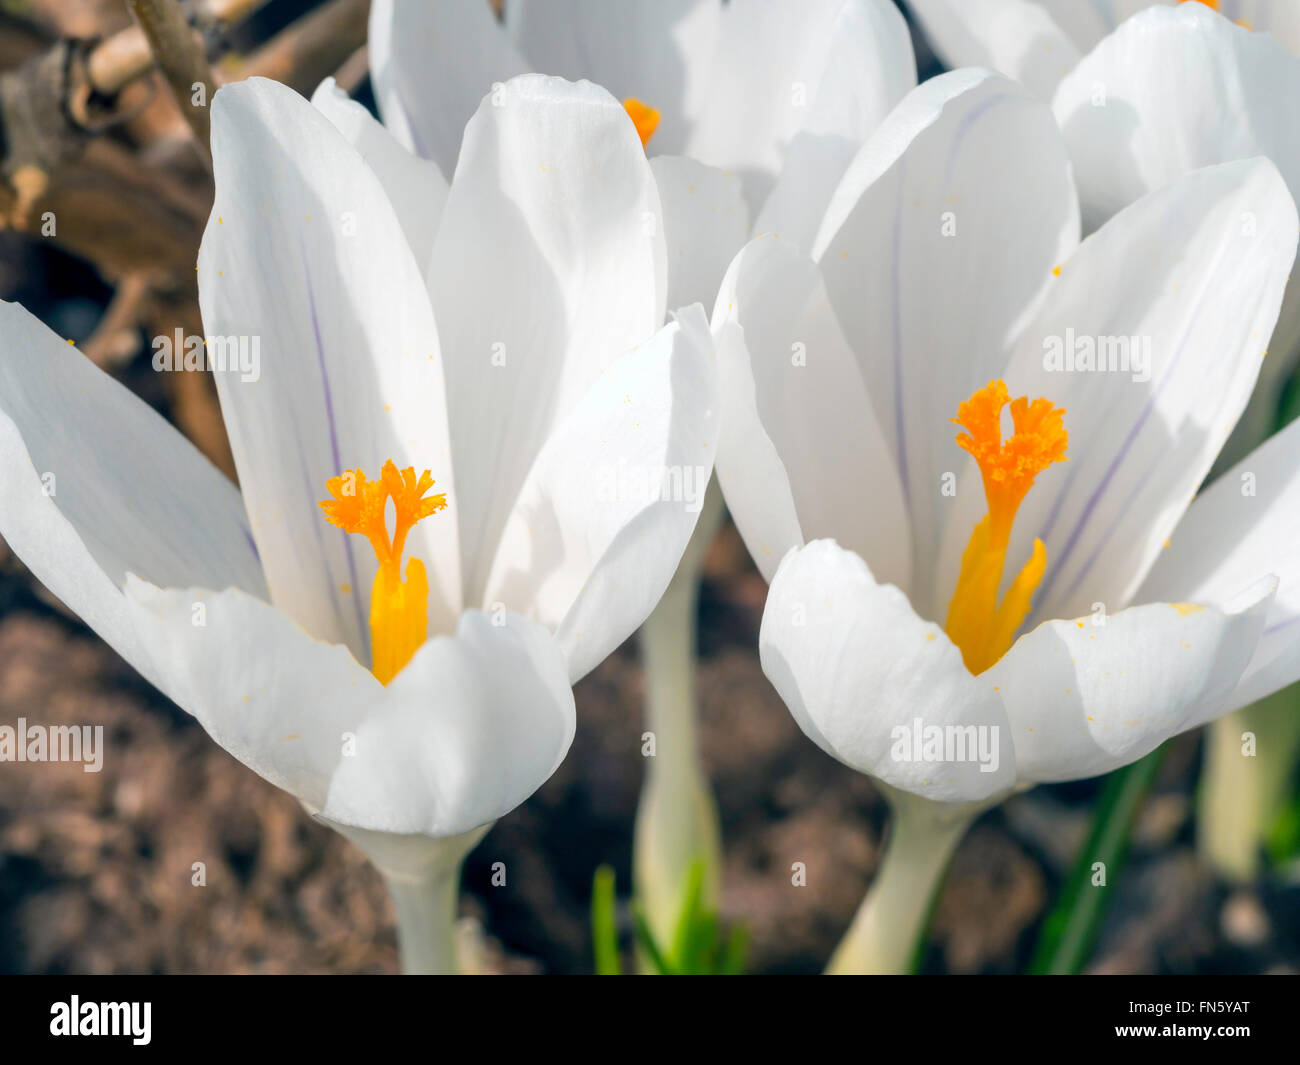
(140, 223)
(181, 57)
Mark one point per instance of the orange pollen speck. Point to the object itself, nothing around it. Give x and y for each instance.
(1213, 5)
(644, 117)
(977, 623)
(398, 609)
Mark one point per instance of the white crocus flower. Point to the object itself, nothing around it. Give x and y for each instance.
(902, 570)
(1141, 102)
(407, 713)
(1038, 42)
(751, 109)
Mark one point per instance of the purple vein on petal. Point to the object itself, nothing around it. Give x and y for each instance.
(1147, 410)
(362, 625)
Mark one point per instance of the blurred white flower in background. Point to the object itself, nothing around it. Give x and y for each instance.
(760, 106)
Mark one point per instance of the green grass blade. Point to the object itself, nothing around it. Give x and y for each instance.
(1070, 931)
(604, 927)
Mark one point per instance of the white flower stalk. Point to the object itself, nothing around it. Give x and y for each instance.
(750, 111)
(412, 683)
(959, 618)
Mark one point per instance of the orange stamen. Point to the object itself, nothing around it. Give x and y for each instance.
(981, 627)
(644, 117)
(399, 621)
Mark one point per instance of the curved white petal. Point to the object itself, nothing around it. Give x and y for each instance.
(767, 75)
(859, 670)
(1172, 90)
(1018, 38)
(795, 387)
(937, 246)
(1200, 291)
(431, 64)
(869, 67)
(468, 730)
(465, 733)
(1185, 88)
(415, 186)
(93, 484)
(1084, 699)
(549, 264)
(1244, 526)
(304, 257)
(657, 51)
(609, 505)
(1280, 18)
(705, 223)
(751, 475)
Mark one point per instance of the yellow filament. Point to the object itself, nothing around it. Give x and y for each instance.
(399, 622)
(644, 117)
(981, 627)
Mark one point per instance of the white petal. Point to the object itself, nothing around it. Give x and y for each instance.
(93, 483)
(1280, 18)
(609, 506)
(792, 385)
(548, 265)
(1183, 88)
(657, 51)
(855, 665)
(1085, 699)
(705, 223)
(750, 472)
(936, 248)
(1176, 268)
(869, 68)
(470, 728)
(431, 64)
(1015, 37)
(1244, 526)
(415, 186)
(304, 253)
(768, 70)
(466, 732)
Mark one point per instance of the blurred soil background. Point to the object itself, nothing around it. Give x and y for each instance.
(96, 868)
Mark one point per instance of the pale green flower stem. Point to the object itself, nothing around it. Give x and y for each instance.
(423, 878)
(888, 926)
(1241, 793)
(677, 819)
(426, 921)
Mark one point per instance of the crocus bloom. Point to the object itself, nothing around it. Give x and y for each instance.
(1016, 579)
(779, 96)
(1038, 41)
(423, 688)
(1142, 102)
